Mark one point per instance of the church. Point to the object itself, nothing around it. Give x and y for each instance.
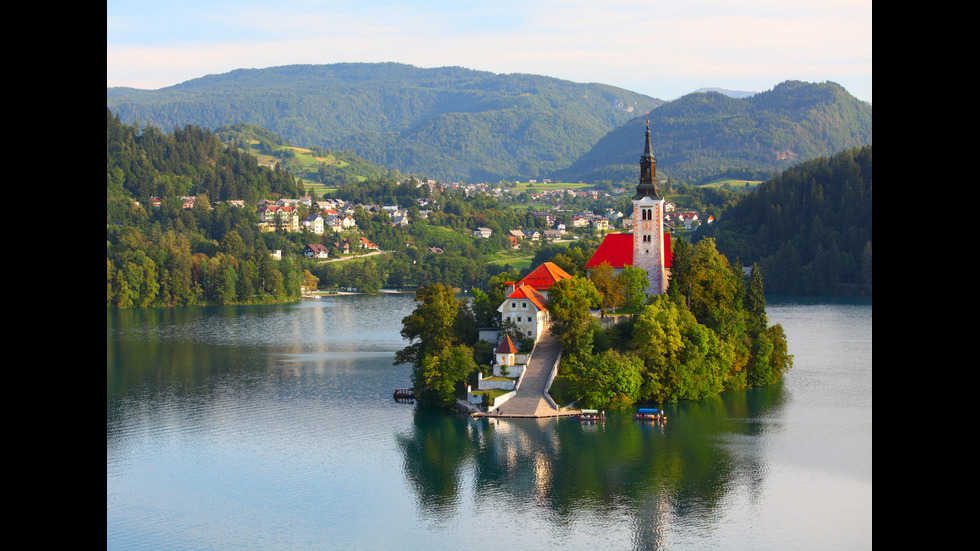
(648, 247)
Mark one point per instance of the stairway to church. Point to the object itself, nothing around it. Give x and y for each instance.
(530, 400)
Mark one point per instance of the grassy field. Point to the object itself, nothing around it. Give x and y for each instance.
(303, 164)
(736, 185)
(519, 262)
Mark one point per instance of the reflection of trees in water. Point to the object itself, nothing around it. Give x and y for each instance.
(652, 474)
(435, 453)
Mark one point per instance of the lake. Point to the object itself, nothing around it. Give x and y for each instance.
(273, 427)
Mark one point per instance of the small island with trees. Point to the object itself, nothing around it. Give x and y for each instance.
(692, 324)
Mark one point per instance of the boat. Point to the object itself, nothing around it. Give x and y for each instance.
(649, 414)
(404, 395)
(591, 415)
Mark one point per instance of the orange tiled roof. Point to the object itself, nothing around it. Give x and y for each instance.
(529, 293)
(544, 276)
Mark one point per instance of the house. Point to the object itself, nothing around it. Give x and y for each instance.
(551, 235)
(365, 244)
(526, 301)
(482, 232)
(314, 224)
(315, 250)
(505, 355)
(343, 246)
(272, 217)
(525, 306)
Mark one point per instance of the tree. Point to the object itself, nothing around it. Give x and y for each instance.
(604, 279)
(571, 322)
(310, 281)
(439, 375)
(610, 379)
(437, 358)
(755, 303)
(633, 282)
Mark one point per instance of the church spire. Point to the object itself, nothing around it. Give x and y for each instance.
(648, 171)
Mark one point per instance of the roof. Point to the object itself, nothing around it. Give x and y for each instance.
(617, 250)
(544, 276)
(506, 346)
(529, 293)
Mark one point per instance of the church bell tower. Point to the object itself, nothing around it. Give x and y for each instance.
(648, 223)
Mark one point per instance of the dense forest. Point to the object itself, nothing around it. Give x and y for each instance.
(448, 123)
(703, 135)
(168, 255)
(809, 228)
(214, 253)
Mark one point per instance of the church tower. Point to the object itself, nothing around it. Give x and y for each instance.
(648, 223)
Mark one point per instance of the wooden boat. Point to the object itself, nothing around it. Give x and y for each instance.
(403, 395)
(591, 415)
(649, 414)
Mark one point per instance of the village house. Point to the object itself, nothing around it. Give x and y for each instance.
(314, 224)
(315, 250)
(272, 217)
(526, 301)
(343, 246)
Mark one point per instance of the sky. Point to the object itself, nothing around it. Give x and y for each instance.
(661, 48)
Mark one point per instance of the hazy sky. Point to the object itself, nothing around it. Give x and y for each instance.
(659, 48)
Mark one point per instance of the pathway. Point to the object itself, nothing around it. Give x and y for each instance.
(531, 400)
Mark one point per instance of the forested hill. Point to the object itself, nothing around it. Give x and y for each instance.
(809, 229)
(702, 135)
(448, 123)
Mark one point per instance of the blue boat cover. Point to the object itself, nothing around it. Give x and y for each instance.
(648, 410)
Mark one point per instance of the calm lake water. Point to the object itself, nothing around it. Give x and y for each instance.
(273, 427)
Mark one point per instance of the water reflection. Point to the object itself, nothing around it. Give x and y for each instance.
(655, 475)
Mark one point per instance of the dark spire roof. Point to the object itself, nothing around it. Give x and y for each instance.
(648, 171)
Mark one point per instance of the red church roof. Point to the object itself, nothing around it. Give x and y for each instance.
(617, 250)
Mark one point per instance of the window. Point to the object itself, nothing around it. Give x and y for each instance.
(513, 305)
(523, 305)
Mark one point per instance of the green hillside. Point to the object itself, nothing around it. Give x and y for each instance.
(320, 170)
(448, 123)
(809, 228)
(703, 135)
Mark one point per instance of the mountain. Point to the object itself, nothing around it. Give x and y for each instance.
(729, 93)
(702, 135)
(448, 123)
